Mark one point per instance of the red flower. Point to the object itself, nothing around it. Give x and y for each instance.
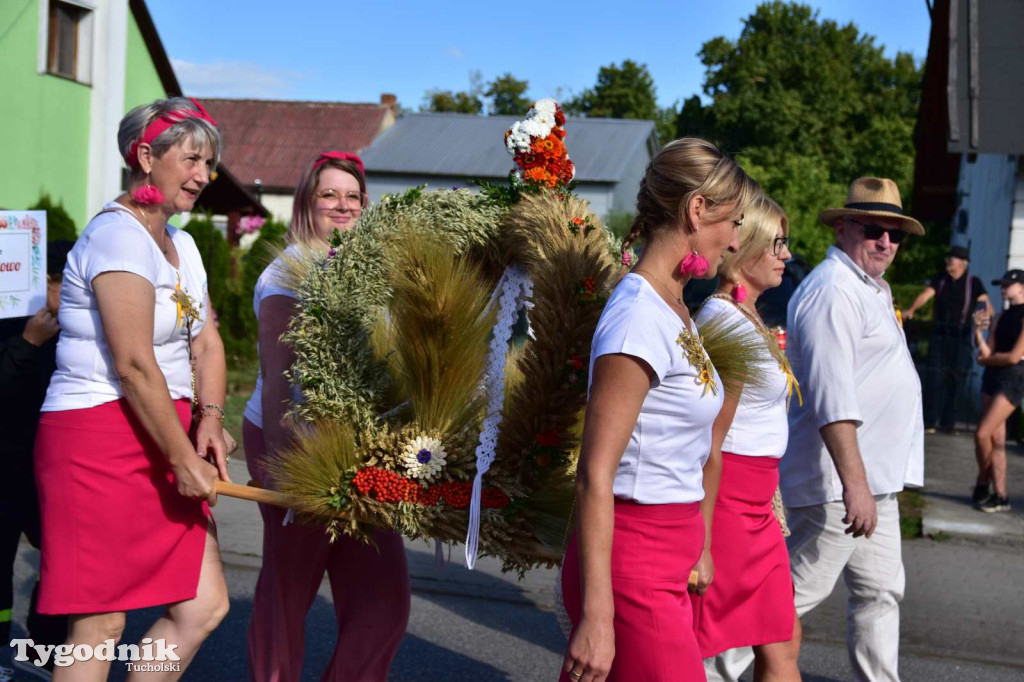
(531, 160)
(548, 439)
(492, 498)
(577, 221)
(589, 285)
(577, 362)
(559, 117)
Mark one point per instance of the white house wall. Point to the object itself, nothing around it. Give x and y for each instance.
(1017, 222)
(109, 47)
(279, 205)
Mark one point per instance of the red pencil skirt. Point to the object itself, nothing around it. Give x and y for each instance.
(654, 547)
(116, 534)
(750, 601)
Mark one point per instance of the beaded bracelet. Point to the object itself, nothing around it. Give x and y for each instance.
(213, 406)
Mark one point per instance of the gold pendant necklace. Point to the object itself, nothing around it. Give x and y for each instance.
(772, 342)
(678, 299)
(142, 214)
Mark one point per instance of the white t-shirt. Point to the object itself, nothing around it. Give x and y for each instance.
(760, 427)
(664, 460)
(118, 242)
(269, 284)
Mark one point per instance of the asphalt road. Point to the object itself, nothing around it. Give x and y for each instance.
(484, 626)
(962, 617)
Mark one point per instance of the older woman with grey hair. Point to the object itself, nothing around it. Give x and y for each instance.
(124, 490)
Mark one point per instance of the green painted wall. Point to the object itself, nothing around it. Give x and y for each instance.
(44, 124)
(142, 83)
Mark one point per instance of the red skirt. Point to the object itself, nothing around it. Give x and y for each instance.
(654, 547)
(116, 535)
(750, 601)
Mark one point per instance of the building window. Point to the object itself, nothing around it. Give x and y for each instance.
(68, 42)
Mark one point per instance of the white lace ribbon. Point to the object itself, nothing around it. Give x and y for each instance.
(515, 287)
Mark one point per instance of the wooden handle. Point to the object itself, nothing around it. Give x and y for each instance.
(255, 493)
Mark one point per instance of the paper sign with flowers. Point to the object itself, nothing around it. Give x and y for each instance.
(22, 262)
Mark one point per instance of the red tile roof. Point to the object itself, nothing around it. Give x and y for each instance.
(273, 140)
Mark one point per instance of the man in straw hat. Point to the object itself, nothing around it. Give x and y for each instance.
(859, 437)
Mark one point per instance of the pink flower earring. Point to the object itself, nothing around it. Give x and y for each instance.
(694, 264)
(739, 293)
(147, 194)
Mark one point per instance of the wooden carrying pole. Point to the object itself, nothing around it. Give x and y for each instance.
(254, 493)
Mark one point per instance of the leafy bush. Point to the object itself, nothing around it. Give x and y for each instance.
(619, 223)
(253, 262)
(232, 279)
(59, 225)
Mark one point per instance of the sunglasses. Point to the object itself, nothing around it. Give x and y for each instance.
(876, 232)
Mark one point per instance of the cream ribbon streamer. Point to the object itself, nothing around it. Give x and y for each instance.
(515, 287)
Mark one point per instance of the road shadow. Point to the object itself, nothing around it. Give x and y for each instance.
(499, 604)
(421, 661)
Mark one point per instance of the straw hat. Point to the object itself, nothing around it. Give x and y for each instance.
(873, 197)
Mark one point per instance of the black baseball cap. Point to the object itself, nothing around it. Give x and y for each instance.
(960, 252)
(1011, 277)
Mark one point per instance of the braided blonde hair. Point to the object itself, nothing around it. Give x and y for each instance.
(683, 169)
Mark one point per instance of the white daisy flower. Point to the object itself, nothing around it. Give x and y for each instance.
(546, 106)
(518, 140)
(536, 128)
(424, 457)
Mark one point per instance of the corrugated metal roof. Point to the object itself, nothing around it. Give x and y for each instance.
(274, 140)
(473, 146)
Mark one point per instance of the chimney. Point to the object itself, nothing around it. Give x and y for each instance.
(391, 102)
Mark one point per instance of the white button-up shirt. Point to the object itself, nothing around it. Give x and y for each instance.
(850, 356)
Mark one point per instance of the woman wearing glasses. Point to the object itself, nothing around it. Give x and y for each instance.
(369, 585)
(745, 595)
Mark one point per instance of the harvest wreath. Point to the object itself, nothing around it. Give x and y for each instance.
(420, 412)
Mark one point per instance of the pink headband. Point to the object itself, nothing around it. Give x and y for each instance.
(162, 123)
(339, 156)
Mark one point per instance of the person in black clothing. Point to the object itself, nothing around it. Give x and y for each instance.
(28, 349)
(1002, 389)
(957, 296)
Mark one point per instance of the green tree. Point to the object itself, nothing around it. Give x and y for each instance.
(508, 96)
(463, 102)
(625, 91)
(59, 225)
(695, 119)
(454, 102)
(666, 123)
(809, 105)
